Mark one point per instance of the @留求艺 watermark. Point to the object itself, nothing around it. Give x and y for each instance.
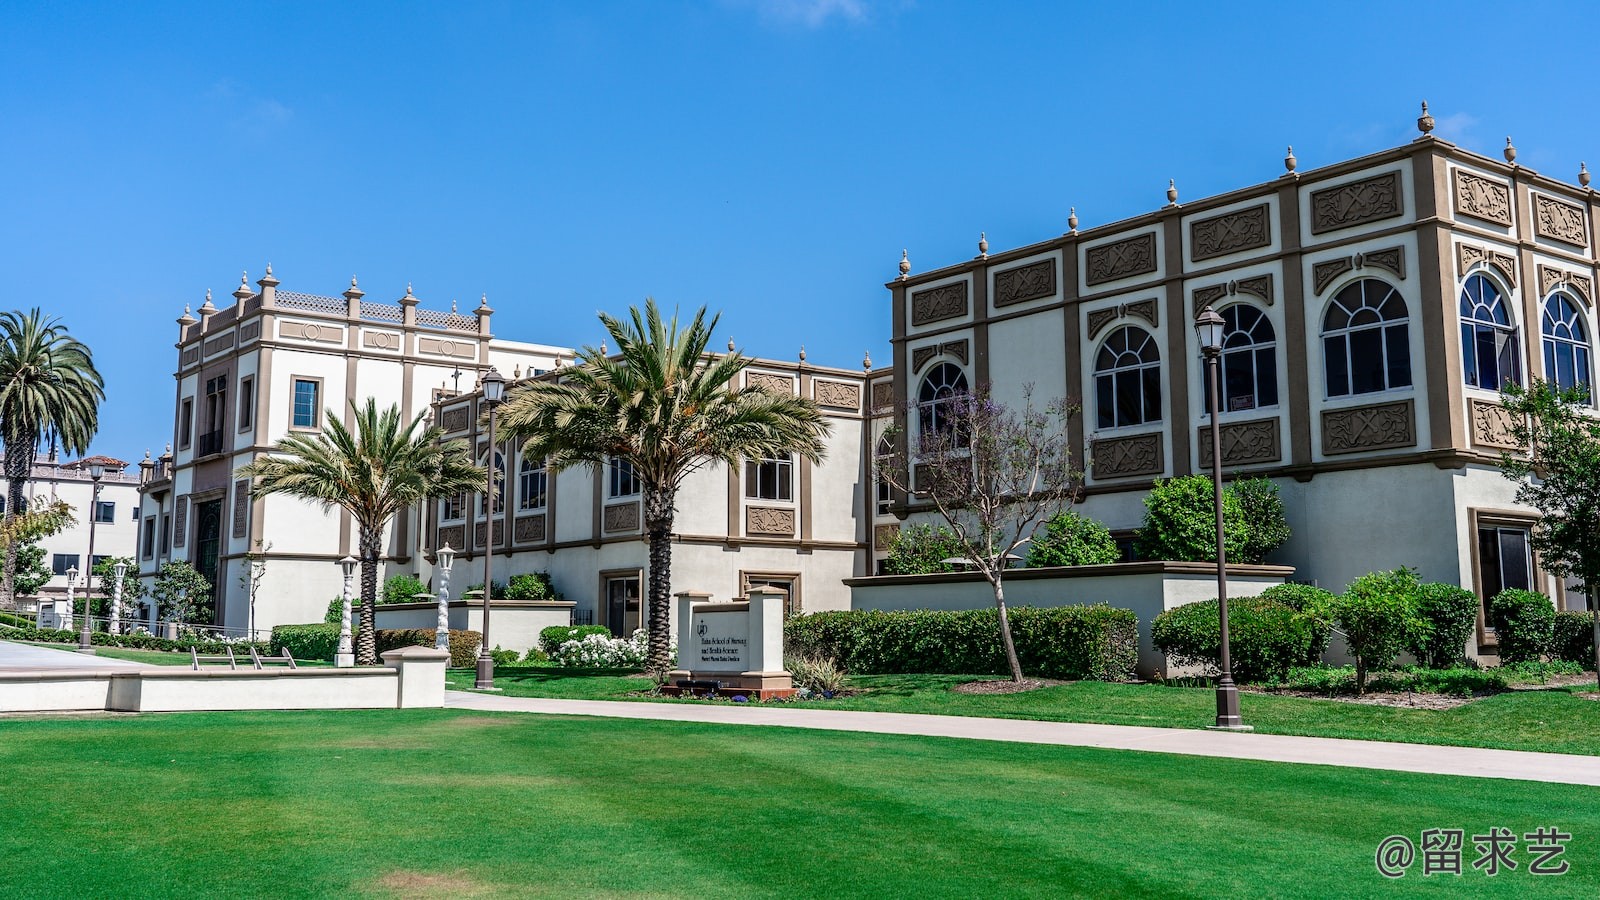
(1451, 851)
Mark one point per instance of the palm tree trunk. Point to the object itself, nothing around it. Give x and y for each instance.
(1014, 664)
(367, 640)
(658, 510)
(19, 462)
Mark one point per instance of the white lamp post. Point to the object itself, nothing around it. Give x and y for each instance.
(346, 655)
(447, 558)
(119, 570)
(72, 578)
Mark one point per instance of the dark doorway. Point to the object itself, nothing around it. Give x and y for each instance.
(622, 605)
(207, 551)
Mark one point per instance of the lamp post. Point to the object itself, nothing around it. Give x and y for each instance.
(85, 645)
(494, 390)
(1208, 327)
(345, 657)
(72, 578)
(118, 570)
(441, 635)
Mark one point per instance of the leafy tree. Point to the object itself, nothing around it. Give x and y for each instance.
(181, 593)
(922, 549)
(1266, 529)
(1451, 614)
(1378, 616)
(20, 535)
(402, 589)
(32, 574)
(1557, 471)
(380, 469)
(532, 587)
(105, 579)
(1073, 540)
(995, 476)
(665, 407)
(49, 389)
(1180, 520)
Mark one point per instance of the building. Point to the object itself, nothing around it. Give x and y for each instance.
(274, 363)
(1374, 308)
(115, 518)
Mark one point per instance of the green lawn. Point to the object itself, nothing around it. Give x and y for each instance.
(1555, 720)
(448, 803)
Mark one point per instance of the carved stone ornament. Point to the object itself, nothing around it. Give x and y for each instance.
(1392, 258)
(957, 349)
(311, 331)
(1552, 279)
(884, 536)
(1561, 221)
(1356, 203)
(622, 517)
(1208, 296)
(479, 531)
(380, 340)
(1025, 283)
(938, 304)
(528, 529)
(1357, 429)
(1482, 198)
(241, 508)
(441, 347)
(454, 536)
(1468, 256)
(1491, 425)
(1245, 229)
(1121, 259)
(454, 420)
(882, 395)
(838, 394)
(1259, 286)
(767, 381)
(1124, 457)
(1100, 318)
(1243, 443)
(1324, 273)
(921, 355)
(769, 521)
(1144, 309)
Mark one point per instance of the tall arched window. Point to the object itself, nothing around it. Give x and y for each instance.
(1566, 344)
(1489, 355)
(942, 385)
(532, 485)
(1366, 341)
(1127, 379)
(1249, 360)
(499, 483)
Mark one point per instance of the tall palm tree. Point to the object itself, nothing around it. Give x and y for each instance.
(667, 408)
(373, 473)
(48, 389)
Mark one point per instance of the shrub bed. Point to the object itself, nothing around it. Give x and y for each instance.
(1265, 637)
(130, 641)
(463, 644)
(322, 641)
(1573, 638)
(1098, 642)
(551, 639)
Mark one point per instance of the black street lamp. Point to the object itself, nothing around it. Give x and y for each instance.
(85, 642)
(494, 390)
(1208, 328)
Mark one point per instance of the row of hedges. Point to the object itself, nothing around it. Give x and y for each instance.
(1530, 629)
(321, 641)
(1098, 642)
(131, 641)
(1266, 635)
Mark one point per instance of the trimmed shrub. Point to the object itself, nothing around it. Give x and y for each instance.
(1303, 598)
(15, 621)
(1266, 529)
(1573, 639)
(1073, 540)
(1525, 622)
(463, 644)
(602, 651)
(1098, 642)
(1265, 637)
(399, 589)
(1180, 522)
(531, 587)
(1377, 615)
(498, 591)
(139, 640)
(1451, 614)
(550, 639)
(319, 641)
(921, 550)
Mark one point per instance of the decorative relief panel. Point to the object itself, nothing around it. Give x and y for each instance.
(837, 393)
(380, 340)
(311, 331)
(1258, 286)
(1356, 203)
(1552, 279)
(1100, 318)
(1323, 273)
(884, 536)
(453, 536)
(1393, 259)
(1024, 283)
(250, 331)
(1553, 218)
(1138, 454)
(180, 522)
(1484, 198)
(528, 529)
(442, 347)
(957, 349)
(622, 517)
(241, 508)
(1245, 229)
(1468, 256)
(1360, 428)
(882, 395)
(219, 344)
(190, 356)
(769, 520)
(1491, 425)
(937, 304)
(1109, 262)
(478, 532)
(1243, 443)
(777, 384)
(921, 355)
(1206, 296)
(456, 419)
(1144, 309)
(1147, 310)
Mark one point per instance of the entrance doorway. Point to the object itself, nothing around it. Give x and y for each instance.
(622, 604)
(207, 551)
(1504, 561)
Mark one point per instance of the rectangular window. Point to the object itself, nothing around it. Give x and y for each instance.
(452, 508)
(623, 481)
(96, 560)
(105, 511)
(769, 479)
(149, 542)
(216, 402)
(61, 562)
(247, 403)
(305, 403)
(166, 533)
(532, 485)
(1503, 559)
(788, 584)
(185, 422)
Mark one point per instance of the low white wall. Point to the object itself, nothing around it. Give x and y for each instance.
(513, 624)
(1146, 588)
(61, 690)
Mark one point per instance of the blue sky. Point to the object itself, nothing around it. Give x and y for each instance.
(767, 159)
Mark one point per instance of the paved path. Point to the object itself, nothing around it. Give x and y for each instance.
(1424, 758)
(27, 658)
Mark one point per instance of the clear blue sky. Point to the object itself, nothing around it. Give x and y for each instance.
(768, 159)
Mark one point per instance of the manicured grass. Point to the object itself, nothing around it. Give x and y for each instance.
(1555, 721)
(449, 803)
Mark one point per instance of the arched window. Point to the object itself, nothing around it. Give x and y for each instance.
(499, 484)
(1127, 379)
(883, 456)
(1366, 341)
(939, 389)
(1489, 355)
(1249, 360)
(532, 484)
(1566, 344)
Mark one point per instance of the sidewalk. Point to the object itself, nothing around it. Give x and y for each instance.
(1422, 758)
(27, 658)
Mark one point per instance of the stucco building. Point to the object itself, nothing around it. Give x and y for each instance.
(113, 515)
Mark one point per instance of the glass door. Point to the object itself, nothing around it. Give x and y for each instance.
(622, 605)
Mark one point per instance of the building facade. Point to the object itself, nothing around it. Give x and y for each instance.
(113, 516)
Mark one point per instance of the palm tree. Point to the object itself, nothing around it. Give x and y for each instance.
(48, 389)
(667, 408)
(373, 473)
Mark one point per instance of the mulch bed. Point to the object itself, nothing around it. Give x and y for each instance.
(1005, 687)
(1408, 700)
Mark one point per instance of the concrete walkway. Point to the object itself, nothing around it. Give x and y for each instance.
(27, 658)
(1422, 758)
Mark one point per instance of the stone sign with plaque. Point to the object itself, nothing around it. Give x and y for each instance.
(730, 649)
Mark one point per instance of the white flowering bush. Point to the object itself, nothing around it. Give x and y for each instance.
(599, 651)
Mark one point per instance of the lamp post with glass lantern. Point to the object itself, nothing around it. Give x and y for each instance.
(345, 656)
(96, 472)
(441, 635)
(1208, 328)
(494, 390)
(118, 570)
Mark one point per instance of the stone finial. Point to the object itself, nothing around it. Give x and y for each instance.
(983, 245)
(905, 265)
(1510, 151)
(802, 352)
(1425, 121)
(243, 292)
(730, 345)
(1072, 220)
(603, 350)
(267, 279)
(483, 300)
(516, 372)
(147, 453)
(354, 292)
(207, 308)
(1583, 174)
(186, 319)
(1172, 192)
(168, 451)
(1289, 162)
(866, 361)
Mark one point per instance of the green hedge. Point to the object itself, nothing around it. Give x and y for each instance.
(1452, 616)
(319, 641)
(463, 644)
(1525, 622)
(1098, 642)
(556, 635)
(1300, 597)
(130, 641)
(1573, 638)
(15, 621)
(322, 641)
(1266, 638)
